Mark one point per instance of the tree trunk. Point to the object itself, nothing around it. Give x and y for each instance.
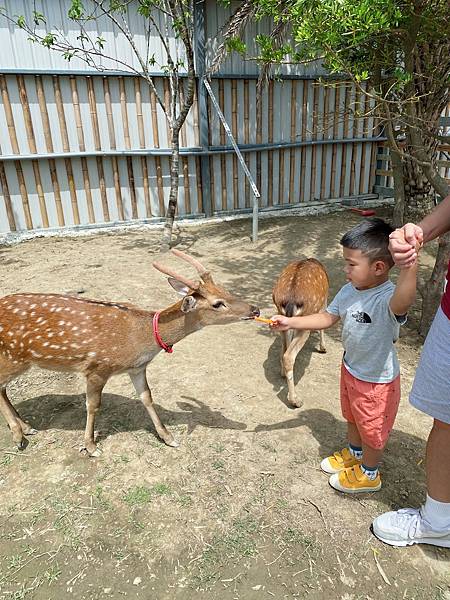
(173, 195)
(432, 291)
(419, 194)
(399, 188)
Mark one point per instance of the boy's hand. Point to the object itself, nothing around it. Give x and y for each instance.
(281, 323)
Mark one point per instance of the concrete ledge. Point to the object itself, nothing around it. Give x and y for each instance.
(300, 209)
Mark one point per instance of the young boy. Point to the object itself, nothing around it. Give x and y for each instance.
(371, 309)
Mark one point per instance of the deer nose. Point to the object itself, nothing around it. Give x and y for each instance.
(254, 311)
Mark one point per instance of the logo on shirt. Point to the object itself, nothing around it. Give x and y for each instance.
(361, 317)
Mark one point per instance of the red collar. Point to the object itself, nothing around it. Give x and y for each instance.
(158, 338)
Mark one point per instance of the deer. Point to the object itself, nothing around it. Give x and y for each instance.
(100, 339)
(301, 289)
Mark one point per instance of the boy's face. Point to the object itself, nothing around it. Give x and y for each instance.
(361, 271)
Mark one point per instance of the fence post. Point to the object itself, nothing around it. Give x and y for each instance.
(203, 122)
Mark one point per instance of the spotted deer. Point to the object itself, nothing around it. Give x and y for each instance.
(301, 289)
(101, 339)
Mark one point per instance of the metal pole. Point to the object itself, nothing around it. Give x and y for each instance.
(203, 122)
(256, 194)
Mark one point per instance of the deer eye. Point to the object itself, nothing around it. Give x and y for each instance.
(218, 304)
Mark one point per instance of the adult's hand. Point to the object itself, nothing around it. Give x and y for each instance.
(404, 244)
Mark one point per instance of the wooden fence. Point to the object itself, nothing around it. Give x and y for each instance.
(94, 149)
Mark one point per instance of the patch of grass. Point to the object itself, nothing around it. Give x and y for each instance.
(237, 543)
(296, 537)
(101, 501)
(139, 494)
(52, 574)
(268, 447)
(185, 500)
(217, 447)
(6, 460)
(15, 561)
(218, 464)
(161, 489)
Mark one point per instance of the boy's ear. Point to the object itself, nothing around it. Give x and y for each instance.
(380, 267)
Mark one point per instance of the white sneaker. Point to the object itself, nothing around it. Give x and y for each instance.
(407, 526)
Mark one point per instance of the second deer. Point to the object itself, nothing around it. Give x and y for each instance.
(301, 289)
(101, 339)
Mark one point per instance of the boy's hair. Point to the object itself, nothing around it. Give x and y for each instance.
(371, 236)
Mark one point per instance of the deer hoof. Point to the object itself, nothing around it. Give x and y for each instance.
(95, 453)
(173, 443)
(22, 444)
(322, 350)
(296, 403)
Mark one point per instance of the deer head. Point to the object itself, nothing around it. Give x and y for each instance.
(205, 301)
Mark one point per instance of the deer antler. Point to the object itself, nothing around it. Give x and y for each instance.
(194, 285)
(203, 272)
(190, 259)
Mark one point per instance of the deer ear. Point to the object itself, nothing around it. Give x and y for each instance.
(179, 286)
(188, 303)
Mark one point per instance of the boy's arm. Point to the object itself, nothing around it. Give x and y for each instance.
(405, 290)
(317, 321)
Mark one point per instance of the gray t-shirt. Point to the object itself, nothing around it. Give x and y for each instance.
(369, 330)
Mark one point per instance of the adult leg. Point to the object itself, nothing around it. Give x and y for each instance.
(438, 462)
(431, 523)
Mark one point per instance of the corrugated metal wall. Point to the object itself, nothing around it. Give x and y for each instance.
(89, 149)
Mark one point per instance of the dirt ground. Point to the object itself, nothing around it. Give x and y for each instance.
(241, 509)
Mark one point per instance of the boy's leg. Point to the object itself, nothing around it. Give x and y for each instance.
(351, 455)
(374, 407)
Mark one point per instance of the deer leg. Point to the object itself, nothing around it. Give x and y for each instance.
(284, 346)
(289, 357)
(139, 380)
(9, 414)
(322, 336)
(17, 427)
(26, 427)
(94, 388)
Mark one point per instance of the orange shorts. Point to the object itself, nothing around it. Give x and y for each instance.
(372, 407)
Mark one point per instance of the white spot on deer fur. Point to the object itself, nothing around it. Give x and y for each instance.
(40, 320)
(61, 322)
(46, 343)
(59, 309)
(43, 304)
(16, 310)
(61, 333)
(33, 313)
(1, 328)
(10, 333)
(34, 305)
(23, 313)
(92, 353)
(50, 334)
(35, 354)
(54, 346)
(76, 346)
